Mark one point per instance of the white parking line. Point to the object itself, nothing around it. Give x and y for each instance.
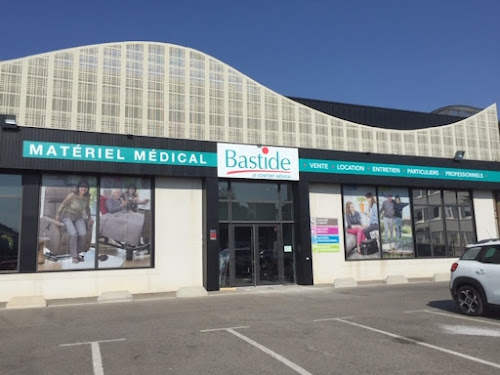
(455, 316)
(329, 319)
(275, 355)
(96, 353)
(223, 329)
(470, 330)
(452, 352)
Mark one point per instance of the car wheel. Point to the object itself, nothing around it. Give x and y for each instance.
(469, 301)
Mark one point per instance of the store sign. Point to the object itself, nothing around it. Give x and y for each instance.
(397, 170)
(83, 152)
(247, 161)
(257, 162)
(325, 235)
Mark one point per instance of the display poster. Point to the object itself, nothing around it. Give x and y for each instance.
(395, 223)
(66, 227)
(88, 222)
(124, 222)
(361, 222)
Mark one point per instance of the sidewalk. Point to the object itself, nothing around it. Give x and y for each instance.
(290, 288)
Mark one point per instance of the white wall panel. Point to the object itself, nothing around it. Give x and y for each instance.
(326, 201)
(484, 211)
(178, 254)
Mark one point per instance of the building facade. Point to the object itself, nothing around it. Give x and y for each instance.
(150, 167)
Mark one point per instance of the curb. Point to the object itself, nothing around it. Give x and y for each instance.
(193, 292)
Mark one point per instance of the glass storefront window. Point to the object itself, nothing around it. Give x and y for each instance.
(434, 223)
(224, 256)
(223, 211)
(88, 222)
(253, 211)
(66, 228)
(223, 190)
(256, 233)
(285, 193)
(395, 222)
(361, 223)
(287, 211)
(443, 222)
(450, 197)
(459, 205)
(255, 201)
(10, 220)
(124, 222)
(254, 192)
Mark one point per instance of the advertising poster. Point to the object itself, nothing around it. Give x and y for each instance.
(89, 223)
(361, 223)
(395, 223)
(66, 228)
(124, 222)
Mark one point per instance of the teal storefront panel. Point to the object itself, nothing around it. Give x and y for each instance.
(86, 152)
(115, 154)
(396, 170)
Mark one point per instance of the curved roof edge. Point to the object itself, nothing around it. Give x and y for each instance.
(381, 117)
(305, 103)
(70, 49)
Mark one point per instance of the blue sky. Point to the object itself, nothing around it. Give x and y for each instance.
(413, 55)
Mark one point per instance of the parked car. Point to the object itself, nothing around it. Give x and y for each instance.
(475, 277)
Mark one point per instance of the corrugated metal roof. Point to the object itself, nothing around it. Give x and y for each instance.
(379, 117)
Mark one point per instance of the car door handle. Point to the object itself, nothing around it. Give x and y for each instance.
(481, 272)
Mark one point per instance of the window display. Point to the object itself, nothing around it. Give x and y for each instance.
(124, 222)
(382, 222)
(87, 226)
(66, 226)
(361, 222)
(396, 223)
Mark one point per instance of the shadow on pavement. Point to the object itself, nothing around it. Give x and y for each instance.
(445, 305)
(450, 306)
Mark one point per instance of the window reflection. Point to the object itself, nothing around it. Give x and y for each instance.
(285, 193)
(252, 192)
(255, 201)
(223, 190)
(449, 225)
(248, 211)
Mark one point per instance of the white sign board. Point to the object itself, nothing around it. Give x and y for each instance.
(257, 162)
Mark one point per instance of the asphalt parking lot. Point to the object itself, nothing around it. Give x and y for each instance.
(384, 329)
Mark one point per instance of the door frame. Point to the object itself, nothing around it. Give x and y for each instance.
(255, 252)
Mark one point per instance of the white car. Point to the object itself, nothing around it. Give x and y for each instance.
(475, 277)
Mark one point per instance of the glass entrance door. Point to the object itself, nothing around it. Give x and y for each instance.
(255, 257)
(241, 250)
(268, 264)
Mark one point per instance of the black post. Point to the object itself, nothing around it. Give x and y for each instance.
(303, 254)
(29, 219)
(211, 233)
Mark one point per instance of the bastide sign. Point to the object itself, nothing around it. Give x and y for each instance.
(257, 162)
